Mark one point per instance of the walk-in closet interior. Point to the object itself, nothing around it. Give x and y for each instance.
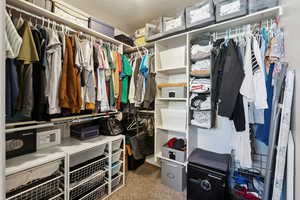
(149, 100)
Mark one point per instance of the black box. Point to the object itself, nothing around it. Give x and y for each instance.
(20, 143)
(84, 131)
(207, 176)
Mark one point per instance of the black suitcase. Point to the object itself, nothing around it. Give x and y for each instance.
(207, 176)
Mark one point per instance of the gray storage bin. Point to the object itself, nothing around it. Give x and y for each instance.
(200, 15)
(172, 25)
(229, 9)
(153, 30)
(101, 27)
(173, 92)
(173, 175)
(258, 5)
(46, 4)
(173, 154)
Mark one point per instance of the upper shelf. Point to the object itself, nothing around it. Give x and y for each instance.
(172, 70)
(134, 49)
(248, 19)
(29, 7)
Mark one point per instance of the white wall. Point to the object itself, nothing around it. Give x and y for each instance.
(291, 25)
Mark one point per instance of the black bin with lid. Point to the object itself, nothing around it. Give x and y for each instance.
(207, 175)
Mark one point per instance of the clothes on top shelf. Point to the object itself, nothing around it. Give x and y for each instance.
(52, 73)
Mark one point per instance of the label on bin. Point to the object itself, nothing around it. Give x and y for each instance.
(230, 8)
(200, 14)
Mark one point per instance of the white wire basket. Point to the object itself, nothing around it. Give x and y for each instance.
(116, 169)
(96, 194)
(116, 182)
(85, 187)
(86, 171)
(116, 145)
(116, 156)
(45, 190)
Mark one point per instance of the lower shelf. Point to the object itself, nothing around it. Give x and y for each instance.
(151, 160)
(159, 155)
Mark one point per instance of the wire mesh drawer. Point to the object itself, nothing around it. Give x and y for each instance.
(45, 190)
(87, 170)
(116, 156)
(96, 194)
(116, 145)
(116, 181)
(84, 188)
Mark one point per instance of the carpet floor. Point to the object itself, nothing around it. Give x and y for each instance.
(144, 184)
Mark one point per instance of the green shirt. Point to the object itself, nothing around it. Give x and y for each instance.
(127, 71)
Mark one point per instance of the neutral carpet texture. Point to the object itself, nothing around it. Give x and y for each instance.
(144, 184)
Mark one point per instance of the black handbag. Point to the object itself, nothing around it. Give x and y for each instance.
(111, 127)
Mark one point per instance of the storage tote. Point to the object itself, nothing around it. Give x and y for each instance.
(173, 90)
(173, 154)
(46, 4)
(229, 9)
(153, 30)
(173, 119)
(173, 175)
(173, 25)
(101, 27)
(70, 13)
(200, 15)
(174, 57)
(258, 5)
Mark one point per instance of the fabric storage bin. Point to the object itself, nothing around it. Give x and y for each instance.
(173, 154)
(229, 9)
(172, 25)
(86, 155)
(173, 175)
(258, 5)
(200, 15)
(116, 156)
(49, 138)
(46, 4)
(173, 119)
(175, 57)
(20, 143)
(70, 13)
(153, 30)
(101, 27)
(173, 92)
(115, 169)
(84, 131)
(125, 39)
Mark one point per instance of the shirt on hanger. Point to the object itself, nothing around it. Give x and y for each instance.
(127, 71)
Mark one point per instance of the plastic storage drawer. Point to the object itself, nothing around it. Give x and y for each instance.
(200, 15)
(258, 5)
(116, 145)
(172, 25)
(174, 57)
(115, 169)
(101, 27)
(116, 156)
(173, 175)
(229, 9)
(173, 154)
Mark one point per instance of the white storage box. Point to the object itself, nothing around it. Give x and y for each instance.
(173, 119)
(173, 175)
(45, 139)
(175, 57)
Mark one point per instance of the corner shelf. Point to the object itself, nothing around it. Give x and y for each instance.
(172, 70)
(159, 155)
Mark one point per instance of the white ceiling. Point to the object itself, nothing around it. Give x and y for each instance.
(129, 15)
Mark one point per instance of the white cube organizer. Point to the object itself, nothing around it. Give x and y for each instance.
(173, 119)
(174, 57)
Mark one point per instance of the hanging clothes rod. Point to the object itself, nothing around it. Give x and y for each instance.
(62, 26)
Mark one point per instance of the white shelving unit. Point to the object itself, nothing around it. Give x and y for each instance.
(195, 137)
(72, 148)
